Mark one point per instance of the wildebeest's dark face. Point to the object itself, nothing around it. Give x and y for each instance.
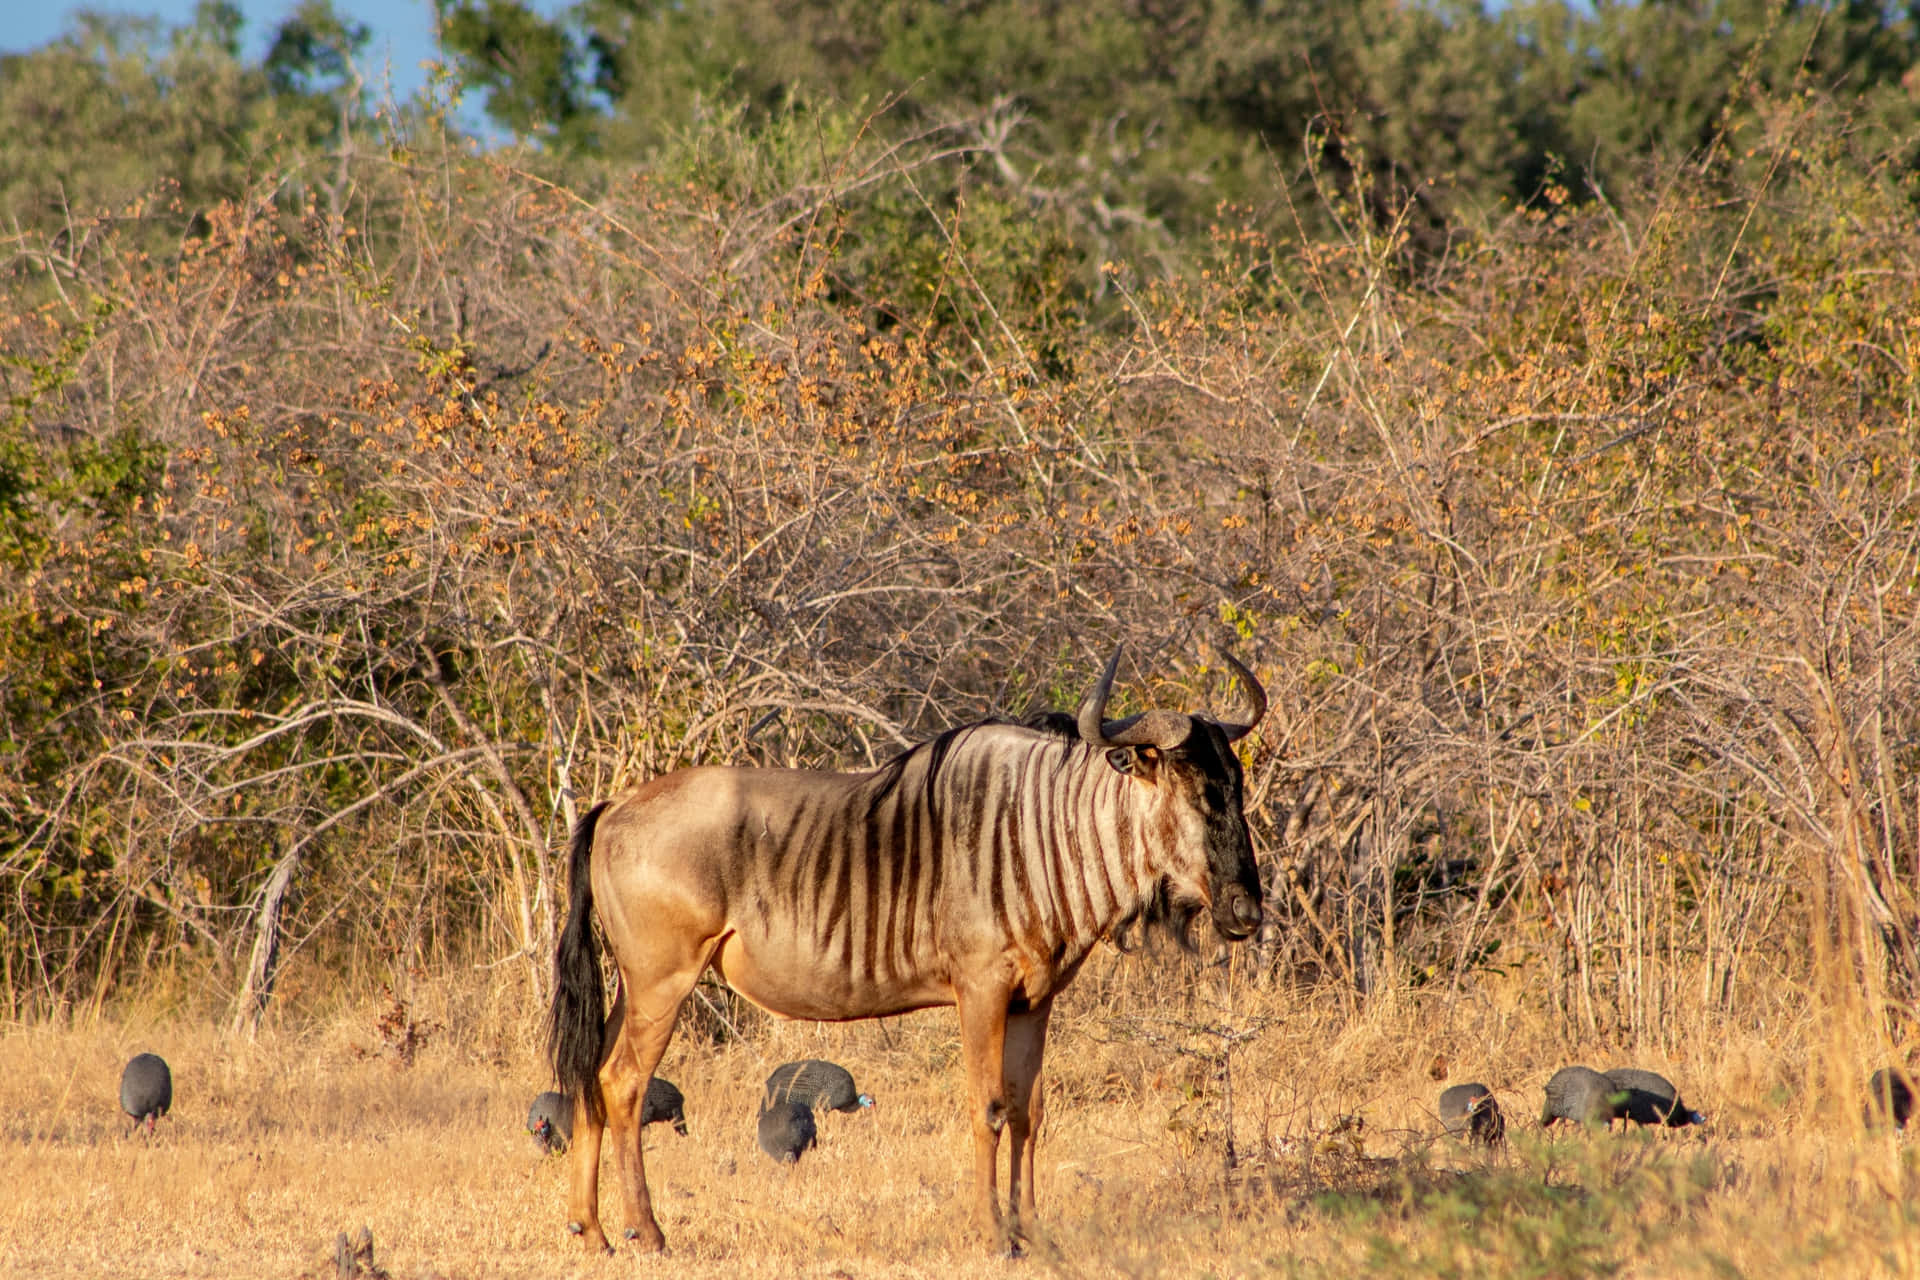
(1218, 785)
(1199, 799)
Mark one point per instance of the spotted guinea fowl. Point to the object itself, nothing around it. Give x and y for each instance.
(146, 1089)
(1889, 1098)
(818, 1083)
(664, 1104)
(1650, 1098)
(1469, 1109)
(550, 1118)
(550, 1121)
(786, 1129)
(1582, 1095)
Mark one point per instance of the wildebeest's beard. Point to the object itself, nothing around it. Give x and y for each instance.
(1166, 913)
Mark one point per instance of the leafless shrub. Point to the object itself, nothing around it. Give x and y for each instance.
(1581, 566)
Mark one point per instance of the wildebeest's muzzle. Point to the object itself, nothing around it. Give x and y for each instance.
(1236, 912)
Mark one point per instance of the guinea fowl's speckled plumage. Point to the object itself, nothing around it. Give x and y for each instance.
(786, 1129)
(818, 1083)
(1582, 1095)
(664, 1104)
(146, 1089)
(1650, 1098)
(550, 1121)
(1469, 1109)
(1889, 1097)
(550, 1118)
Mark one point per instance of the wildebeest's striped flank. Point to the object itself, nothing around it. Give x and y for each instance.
(975, 870)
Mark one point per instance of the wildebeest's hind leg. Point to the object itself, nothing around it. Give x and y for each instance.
(983, 1042)
(583, 1174)
(651, 1010)
(1025, 1052)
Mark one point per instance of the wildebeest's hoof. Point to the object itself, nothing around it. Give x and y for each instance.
(595, 1240)
(646, 1241)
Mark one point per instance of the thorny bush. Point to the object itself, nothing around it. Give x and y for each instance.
(354, 547)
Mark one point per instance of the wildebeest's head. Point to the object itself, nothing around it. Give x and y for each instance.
(1198, 795)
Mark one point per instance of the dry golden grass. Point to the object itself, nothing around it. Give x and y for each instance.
(277, 1145)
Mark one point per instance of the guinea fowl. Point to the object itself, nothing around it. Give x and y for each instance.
(550, 1121)
(817, 1083)
(786, 1129)
(664, 1104)
(550, 1118)
(1582, 1095)
(146, 1089)
(1650, 1098)
(1469, 1109)
(1889, 1098)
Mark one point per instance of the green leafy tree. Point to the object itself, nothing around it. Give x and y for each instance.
(530, 69)
(1628, 84)
(122, 109)
(313, 54)
(1160, 109)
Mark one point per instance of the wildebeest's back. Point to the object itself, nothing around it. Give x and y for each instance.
(696, 835)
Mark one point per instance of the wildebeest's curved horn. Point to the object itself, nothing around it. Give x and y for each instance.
(1163, 729)
(1091, 706)
(1255, 694)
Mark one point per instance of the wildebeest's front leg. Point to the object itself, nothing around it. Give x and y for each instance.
(1025, 1051)
(983, 1041)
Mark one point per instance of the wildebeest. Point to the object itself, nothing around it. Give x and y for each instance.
(146, 1089)
(975, 870)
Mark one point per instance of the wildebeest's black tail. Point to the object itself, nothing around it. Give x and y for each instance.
(576, 1023)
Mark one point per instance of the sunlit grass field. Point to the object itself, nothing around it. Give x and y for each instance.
(277, 1145)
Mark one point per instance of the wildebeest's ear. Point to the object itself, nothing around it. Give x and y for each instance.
(1121, 758)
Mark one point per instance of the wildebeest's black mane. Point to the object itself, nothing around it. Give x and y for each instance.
(1056, 724)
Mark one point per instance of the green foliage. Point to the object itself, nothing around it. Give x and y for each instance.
(125, 116)
(1132, 123)
(389, 512)
(313, 52)
(528, 67)
(27, 479)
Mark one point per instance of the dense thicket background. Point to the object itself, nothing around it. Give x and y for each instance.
(1527, 394)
